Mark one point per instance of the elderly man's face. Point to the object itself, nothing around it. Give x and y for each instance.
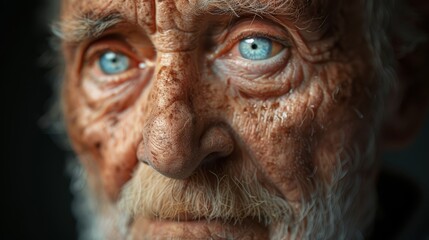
(199, 119)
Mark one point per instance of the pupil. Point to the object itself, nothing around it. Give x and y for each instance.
(254, 46)
(114, 59)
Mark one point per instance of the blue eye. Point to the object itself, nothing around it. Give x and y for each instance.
(113, 63)
(256, 48)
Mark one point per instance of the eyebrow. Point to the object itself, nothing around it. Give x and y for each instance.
(90, 25)
(85, 26)
(258, 7)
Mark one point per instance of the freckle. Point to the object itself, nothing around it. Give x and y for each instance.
(117, 169)
(162, 69)
(97, 145)
(275, 105)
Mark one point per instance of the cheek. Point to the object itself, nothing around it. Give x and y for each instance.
(114, 150)
(105, 141)
(279, 136)
(294, 139)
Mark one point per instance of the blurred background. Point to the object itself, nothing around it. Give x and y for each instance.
(36, 196)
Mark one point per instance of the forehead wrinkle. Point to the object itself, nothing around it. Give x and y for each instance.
(177, 14)
(93, 21)
(145, 14)
(186, 15)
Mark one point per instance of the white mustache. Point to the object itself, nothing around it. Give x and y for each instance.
(205, 195)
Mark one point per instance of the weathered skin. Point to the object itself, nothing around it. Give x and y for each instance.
(198, 104)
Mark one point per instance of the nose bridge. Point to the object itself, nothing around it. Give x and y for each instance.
(177, 139)
(169, 132)
(174, 79)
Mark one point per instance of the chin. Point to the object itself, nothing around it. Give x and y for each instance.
(196, 229)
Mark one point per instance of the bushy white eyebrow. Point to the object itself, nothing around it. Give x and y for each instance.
(258, 7)
(85, 27)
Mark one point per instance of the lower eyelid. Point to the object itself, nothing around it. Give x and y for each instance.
(273, 86)
(101, 78)
(109, 95)
(267, 78)
(258, 67)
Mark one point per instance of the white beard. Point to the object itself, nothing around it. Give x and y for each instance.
(342, 208)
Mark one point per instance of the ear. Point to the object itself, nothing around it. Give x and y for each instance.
(410, 98)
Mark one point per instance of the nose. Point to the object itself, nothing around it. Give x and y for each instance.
(176, 139)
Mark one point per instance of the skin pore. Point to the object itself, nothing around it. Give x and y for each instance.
(192, 140)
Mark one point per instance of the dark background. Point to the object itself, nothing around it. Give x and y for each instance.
(36, 193)
(33, 171)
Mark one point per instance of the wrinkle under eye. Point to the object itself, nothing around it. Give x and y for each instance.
(257, 48)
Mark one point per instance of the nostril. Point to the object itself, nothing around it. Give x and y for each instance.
(216, 145)
(213, 161)
(140, 154)
(144, 161)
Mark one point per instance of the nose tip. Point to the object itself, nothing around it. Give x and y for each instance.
(168, 141)
(174, 147)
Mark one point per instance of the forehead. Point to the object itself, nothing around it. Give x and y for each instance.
(80, 16)
(136, 8)
(255, 4)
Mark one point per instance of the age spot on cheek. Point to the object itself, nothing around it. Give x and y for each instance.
(98, 145)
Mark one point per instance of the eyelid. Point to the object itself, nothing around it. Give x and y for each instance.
(92, 70)
(98, 48)
(253, 28)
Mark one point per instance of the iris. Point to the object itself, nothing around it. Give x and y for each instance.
(113, 63)
(256, 48)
